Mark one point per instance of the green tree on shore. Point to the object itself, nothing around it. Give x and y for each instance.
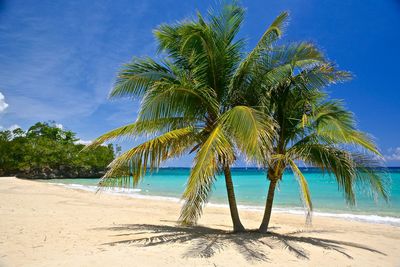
(46, 151)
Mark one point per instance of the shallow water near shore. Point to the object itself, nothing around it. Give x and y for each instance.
(251, 187)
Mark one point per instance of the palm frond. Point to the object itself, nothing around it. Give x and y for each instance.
(139, 128)
(332, 121)
(167, 99)
(136, 77)
(328, 158)
(320, 76)
(371, 176)
(291, 63)
(305, 191)
(251, 130)
(210, 57)
(277, 68)
(226, 22)
(150, 154)
(273, 33)
(202, 175)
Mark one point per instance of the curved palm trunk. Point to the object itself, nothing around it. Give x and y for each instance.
(268, 206)
(237, 225)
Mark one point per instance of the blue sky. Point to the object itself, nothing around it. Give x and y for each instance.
(58, 59)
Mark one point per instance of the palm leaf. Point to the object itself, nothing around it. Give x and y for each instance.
(202, 175)
(251, 130)
(138, 128)
(172, 100)
(371, 176)
(150, 154)
(274, 32)
(136, 77)
(226, 22)
(305, 191)
(332, 121)
(334, 160)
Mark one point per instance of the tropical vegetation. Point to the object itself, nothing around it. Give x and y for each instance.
(48, 151)
(207, 96)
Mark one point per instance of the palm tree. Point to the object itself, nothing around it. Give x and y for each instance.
(288, 86)
(189, 105)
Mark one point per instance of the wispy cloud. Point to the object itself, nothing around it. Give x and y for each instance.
(83, 142)
(393, 154)
(3, 104)
(61, 61)
(13, 127)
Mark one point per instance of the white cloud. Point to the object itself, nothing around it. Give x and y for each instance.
(72, 74)
(59, 126)
(3, 104)
(13, 127)
(83, 142)
(394, 154)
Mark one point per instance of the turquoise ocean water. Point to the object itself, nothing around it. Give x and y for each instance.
(251, 187)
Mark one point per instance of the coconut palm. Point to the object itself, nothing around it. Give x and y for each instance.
(187, 107)
(288, 85)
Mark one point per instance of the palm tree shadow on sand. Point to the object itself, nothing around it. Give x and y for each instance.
(206, 242)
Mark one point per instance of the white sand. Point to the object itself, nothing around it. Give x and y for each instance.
(49, 225)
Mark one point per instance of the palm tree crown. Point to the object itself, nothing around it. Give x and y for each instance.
(206, 96)
(287, 85)
(187, 106)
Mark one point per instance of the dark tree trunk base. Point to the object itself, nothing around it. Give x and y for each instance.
(237, 224)
(239, 228)
(268, 207)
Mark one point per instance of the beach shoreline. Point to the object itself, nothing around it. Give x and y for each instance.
(45, 225)
(136, 193)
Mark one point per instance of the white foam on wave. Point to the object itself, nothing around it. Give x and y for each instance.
(300, 211)
(136, 193)
(94, 188)
(129, 192)
(363, 218)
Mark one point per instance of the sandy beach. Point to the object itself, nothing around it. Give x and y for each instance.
(50, 225)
